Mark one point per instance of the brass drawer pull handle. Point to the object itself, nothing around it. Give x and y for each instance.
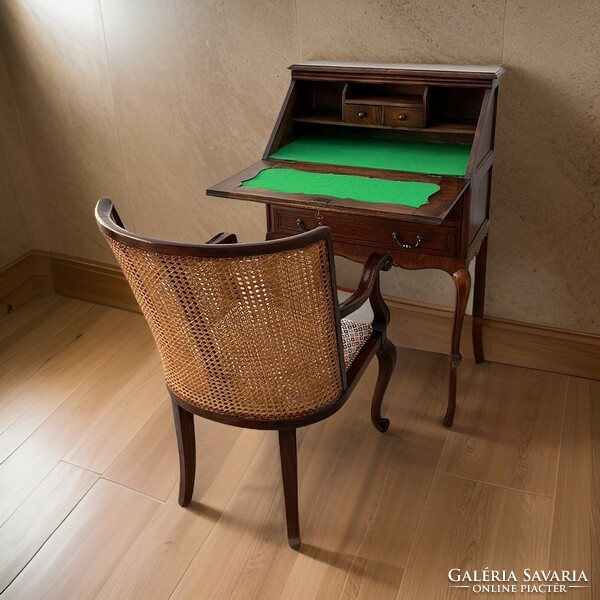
(302, 225)
(362, 114)
(398, 238)
(402, 117)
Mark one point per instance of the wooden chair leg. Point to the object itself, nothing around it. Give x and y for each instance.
(186, 444)
(386, 357)
(289, 472)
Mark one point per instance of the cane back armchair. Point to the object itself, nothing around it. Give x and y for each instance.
(252, 335)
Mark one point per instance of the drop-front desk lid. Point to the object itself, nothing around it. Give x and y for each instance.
(395, 141)
(431, 203)
(362, 175)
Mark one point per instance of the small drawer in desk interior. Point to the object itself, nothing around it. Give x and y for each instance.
(386, 234)
(398, 116)
(363, 114)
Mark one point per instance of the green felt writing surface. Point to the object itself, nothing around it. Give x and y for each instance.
(354, 187)
(377, 153)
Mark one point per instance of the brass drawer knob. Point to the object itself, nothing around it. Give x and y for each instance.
(420, 239)
(402, 117)
(362, 114)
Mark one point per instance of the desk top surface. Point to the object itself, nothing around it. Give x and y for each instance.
(474, 72)
(491, 69)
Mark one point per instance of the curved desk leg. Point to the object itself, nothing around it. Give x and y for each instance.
(386, 357)
(478, 301)
(462, 282)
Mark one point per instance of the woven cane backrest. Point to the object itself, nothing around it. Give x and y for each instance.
(253, 337)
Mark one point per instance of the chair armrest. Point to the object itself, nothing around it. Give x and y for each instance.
(223, 238)
(368, 281)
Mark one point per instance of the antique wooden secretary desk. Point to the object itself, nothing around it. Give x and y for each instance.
(395, 159)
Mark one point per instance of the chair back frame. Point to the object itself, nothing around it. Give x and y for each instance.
(112, 226)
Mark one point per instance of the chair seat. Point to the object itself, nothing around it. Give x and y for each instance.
(354, 336)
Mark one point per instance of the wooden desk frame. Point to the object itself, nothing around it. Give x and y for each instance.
(450, 230)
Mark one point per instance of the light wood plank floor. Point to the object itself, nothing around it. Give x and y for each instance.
(88, 478)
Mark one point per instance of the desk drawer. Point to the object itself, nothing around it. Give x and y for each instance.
(382, 235)
(364, 114)
(403, 117)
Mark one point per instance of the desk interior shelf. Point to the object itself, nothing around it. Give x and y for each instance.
(465, 126)
(430, 109)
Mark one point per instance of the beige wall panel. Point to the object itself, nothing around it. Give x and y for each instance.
(56, 58)
(436, 32)
(544, 263)
(14, 240)
(197, 86)
(17, 191)
(398, 31)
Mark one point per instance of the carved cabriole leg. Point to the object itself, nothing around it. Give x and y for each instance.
(186, 444)
(478, 301)
(462, 282)
(386, 356)
(289, 472)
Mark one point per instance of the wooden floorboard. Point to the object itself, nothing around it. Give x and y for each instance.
(472, 525)
(39, 516)
(89, 477)
(149, 462)
(24, 371)
(576, 526)
(87, 547)
(160, 557)
(508, 428)
(32, 402)
(13, 325)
